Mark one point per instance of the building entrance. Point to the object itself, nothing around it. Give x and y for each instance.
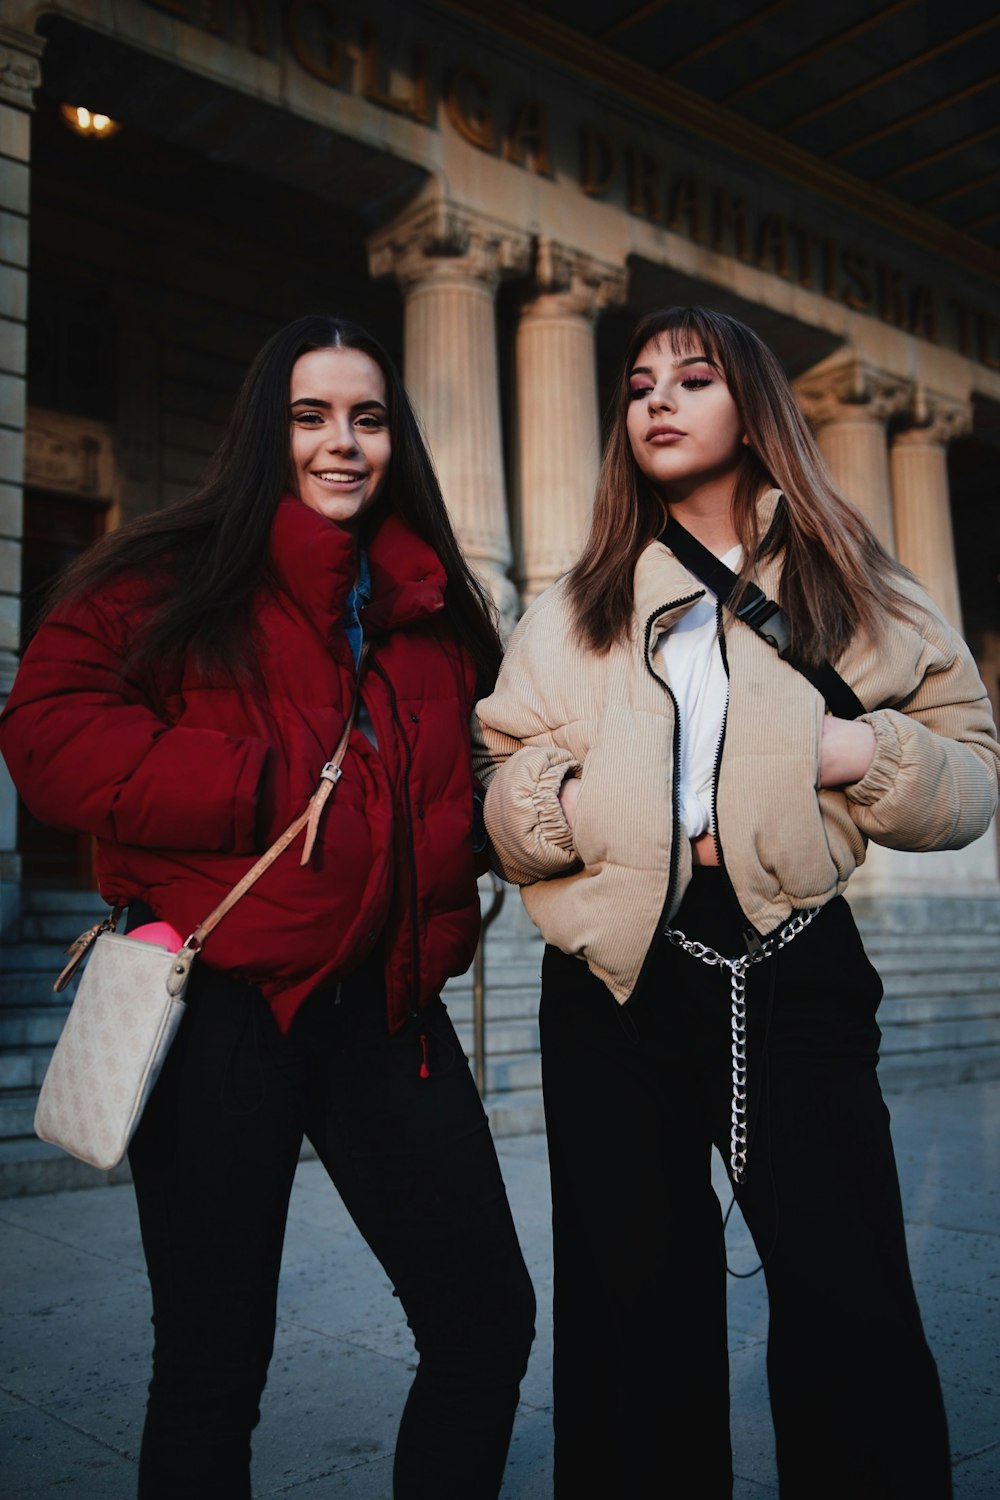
(162, 255)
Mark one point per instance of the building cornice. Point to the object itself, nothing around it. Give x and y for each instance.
(700, 116)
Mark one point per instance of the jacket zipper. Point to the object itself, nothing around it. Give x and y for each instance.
(675, 786)
(751, 936)
(411, 853)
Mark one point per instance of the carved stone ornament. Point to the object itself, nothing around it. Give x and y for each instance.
(20, 68)
(570, 281)
(935, 419)
(69, 456)
(441, 240)
(851, 389)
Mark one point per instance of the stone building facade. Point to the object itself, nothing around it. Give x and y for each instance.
(500, 218)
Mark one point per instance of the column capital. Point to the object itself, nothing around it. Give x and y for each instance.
(934, 419)
(569, 281)
(442, 241)
(20, 66)
(844, 389)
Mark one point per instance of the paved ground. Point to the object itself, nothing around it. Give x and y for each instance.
(75, 1334)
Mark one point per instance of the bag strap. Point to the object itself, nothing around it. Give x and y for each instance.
(762, 615)
(309, 820)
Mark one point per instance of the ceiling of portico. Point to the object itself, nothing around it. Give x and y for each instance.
(219, 126)
(893, 106)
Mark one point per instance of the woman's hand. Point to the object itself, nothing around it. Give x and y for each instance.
(568, 793)
(846, 751)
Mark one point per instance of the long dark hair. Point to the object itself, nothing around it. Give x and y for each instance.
(837, 577)
(207, 554)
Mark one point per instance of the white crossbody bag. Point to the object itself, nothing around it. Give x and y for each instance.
(128, 1007)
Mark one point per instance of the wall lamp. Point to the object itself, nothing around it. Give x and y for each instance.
(88, 122)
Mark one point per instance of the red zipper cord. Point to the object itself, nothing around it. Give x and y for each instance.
(425, 1071)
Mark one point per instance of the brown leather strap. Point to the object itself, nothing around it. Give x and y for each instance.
(79, 949)
(328, 778)
(310, 819)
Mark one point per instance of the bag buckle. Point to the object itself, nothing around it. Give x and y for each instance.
(757, 611)
(81, 946)
(330, 772)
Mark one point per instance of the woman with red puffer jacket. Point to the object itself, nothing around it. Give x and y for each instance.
(179, 702)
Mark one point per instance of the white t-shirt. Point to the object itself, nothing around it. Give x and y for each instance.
(691, 660)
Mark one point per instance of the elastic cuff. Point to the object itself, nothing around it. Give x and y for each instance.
(551, 818)
(881, 774)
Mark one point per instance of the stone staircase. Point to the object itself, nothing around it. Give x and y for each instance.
(940, 964)
(939, 960)
(31, 1017)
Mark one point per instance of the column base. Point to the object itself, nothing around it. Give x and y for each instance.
(962, 873)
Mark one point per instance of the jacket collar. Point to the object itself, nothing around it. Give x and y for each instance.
(313, 560)
(662, 581)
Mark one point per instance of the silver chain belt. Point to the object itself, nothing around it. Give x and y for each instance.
(738, 968)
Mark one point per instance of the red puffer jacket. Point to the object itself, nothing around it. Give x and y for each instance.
(185, 780)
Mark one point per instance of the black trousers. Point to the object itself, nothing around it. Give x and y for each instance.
(413, 1160)
(634, 1100)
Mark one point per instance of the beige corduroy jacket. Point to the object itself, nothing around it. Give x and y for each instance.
(605, 888)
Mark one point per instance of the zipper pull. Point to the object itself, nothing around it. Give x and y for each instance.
(752, 939)
(425, 1071)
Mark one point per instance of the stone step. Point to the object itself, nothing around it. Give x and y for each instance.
(33, 1166)
(35, 899)
(42, 959)
(940, 1035)
(35, 990)
(919, 915)
(513, 1072)
(901, 1010)
(519, 1113)
(913, 1070)
(58, 926)
(30, 1026)
(502, 1037)
(506, 975)
(499, 1004)
(943, 986)
(944, 950)
(17, 1113)
(17, 1069)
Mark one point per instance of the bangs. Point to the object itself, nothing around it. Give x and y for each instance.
(687, 330)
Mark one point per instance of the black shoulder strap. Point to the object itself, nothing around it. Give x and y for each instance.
(762, 615)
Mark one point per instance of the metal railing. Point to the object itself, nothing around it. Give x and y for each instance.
(479, 985)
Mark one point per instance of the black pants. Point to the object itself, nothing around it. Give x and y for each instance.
(634, 1100)
(413, 1160)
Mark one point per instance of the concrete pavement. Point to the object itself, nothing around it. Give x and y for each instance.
(75, 1336)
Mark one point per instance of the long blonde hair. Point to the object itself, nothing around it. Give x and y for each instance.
(837, 578)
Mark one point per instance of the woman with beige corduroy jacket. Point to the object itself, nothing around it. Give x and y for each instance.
(682, 807)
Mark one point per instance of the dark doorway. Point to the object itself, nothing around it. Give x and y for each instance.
(57, 528)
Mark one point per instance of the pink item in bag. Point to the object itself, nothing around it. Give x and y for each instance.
(158, 932)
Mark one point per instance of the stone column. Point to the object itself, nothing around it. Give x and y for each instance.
(925, 544)
(921, 497)
(449, 263)
(20, 75)
(558, 437)
(848, 402)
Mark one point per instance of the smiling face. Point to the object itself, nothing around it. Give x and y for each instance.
(684, 429)
(340, 442)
